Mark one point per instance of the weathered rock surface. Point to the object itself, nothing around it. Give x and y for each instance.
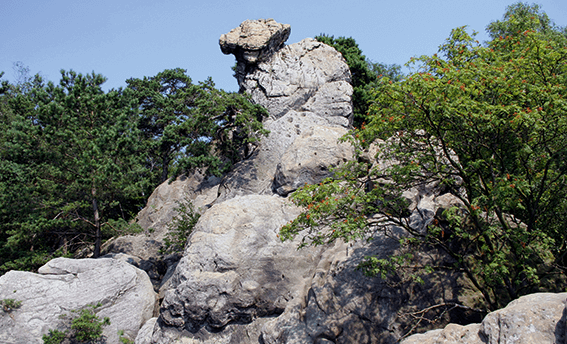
(160, 208)
(143, 250)
(302, 85)
(255, 40)
(63, 285)
(310, 157)
(307, 76)
(341, 305)
(235, 269)
(536, 318)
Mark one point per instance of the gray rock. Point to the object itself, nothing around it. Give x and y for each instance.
(145, 333)
(143, 250)
(63, 285)
(306, 76)
(536, 318)
(310, 158)
(160, 208)
(231, 334)
(256, 174)
(452, 334)
(342, 305)
(235, 269)
(302, 85)
(255, 40)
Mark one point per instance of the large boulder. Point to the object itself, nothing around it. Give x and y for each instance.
(536, 318)
(63, 285)
(235, 268)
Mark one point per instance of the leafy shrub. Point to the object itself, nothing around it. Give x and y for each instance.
(87, 327)
(180, 227)
(54, 337)
(124, 340)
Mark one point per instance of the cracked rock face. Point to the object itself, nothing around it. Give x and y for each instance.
(302, 85)
(63, 285)
(311, 157)
(235, 269)
(307, 76)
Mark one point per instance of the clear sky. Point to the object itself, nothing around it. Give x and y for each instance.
(121, 39)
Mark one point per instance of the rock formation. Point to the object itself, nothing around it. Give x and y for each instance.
(255, 40)
(64, 285)
(536, 318)
(236, 282)
(302, 85)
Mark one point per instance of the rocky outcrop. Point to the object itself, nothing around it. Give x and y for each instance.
(143, 250)
(536, 318)
(236, 282)
(235, 269)
(302, 85)
(63, 285)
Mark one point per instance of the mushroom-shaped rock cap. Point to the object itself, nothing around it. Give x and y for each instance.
(255, 40)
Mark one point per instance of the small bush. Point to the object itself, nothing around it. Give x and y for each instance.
(124, 340)
(88, 326)
(9, 305)
(54, 337)
(180, 227)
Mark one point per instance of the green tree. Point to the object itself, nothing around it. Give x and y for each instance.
(522, 16)
(364, 73)
(187, 126)
(487, 124)
(73, 157)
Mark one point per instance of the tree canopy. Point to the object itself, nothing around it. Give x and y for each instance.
(77, 163)
(364, 73)
(484, 122)
(186, 126)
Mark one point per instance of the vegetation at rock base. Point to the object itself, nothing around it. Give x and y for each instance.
(365, 73)
(123, 339)
(77, 163)
(86, 328)
(485, 123)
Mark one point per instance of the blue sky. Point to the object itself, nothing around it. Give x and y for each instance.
(121, 39)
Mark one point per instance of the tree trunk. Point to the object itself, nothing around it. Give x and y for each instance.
(164, 168)
(98, 238)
